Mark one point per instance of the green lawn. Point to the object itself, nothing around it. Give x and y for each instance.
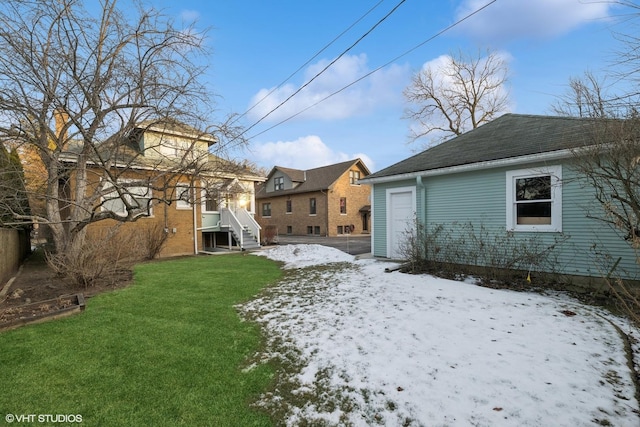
(166, 351)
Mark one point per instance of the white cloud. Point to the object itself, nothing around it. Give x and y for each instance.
(381, 89)
(189, 16)
(304, 153)
(507, 19)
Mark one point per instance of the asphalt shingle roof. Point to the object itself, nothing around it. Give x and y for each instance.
(511, 135)
(311, 179)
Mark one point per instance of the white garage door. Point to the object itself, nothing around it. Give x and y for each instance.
(401, 210)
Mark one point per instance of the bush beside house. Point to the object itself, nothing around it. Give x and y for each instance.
(517, 175)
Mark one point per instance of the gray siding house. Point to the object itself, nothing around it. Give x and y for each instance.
(512, 176)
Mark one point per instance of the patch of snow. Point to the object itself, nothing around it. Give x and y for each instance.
(398, 349)
(300, 256)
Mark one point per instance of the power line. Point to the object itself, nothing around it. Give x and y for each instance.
(439, 33)
(309, 60)
(325, 68)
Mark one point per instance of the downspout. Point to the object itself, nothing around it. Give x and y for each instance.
(423, 202)
(421, 220)
(166, 208)
(195, 223)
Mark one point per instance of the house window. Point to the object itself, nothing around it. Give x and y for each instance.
(210, 202)
(340, 230)
(169, 147)
(309, 229)
(354, 176)
(266, 209)
(183, 196)
(534, 199)
(312, 206)
(138, 196)
(278, 183)
(289, 229)
(316, 230)
(343, 205)
(229, 200)
(289, 207)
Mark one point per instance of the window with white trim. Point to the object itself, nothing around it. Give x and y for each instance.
(209, 201)
(183, 196)
(137, 196)
(343, 205)
(354, 177)
(534, 199)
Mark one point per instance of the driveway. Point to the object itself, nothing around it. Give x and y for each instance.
(354, 244)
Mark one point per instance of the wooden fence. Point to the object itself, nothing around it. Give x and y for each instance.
(15, 245)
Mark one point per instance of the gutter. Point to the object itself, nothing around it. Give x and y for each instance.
(72, 158)
(552, 155)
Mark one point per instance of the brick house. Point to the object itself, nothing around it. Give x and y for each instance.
(207, 210)
(325, 201)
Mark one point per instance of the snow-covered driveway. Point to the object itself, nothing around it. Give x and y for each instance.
(360, 346)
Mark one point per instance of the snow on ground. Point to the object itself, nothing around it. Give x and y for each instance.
(398, 349)
(299, 256)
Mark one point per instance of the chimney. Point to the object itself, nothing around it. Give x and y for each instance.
(61, 119)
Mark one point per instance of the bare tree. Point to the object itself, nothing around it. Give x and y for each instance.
(628, 56)
(458, 94)
(586, 97)
(609, 164)
(76, 89)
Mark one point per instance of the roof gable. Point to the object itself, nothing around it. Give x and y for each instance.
(509, 136)
(317, 179)
(295, 175)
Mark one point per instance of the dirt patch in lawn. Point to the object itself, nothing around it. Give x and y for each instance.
(36, 283)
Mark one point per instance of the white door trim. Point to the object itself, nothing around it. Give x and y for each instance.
(389, 193)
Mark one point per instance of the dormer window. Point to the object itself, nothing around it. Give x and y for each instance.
(278, 183)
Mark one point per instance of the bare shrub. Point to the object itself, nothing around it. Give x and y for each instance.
(628, 298)
(270, 235)
(501, 254)
(152, 239)
(100, 258)
(625, 293)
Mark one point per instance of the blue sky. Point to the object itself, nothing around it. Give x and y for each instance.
(258, 44)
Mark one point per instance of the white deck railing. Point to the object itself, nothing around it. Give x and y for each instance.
(247, 220)
(239, 221)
